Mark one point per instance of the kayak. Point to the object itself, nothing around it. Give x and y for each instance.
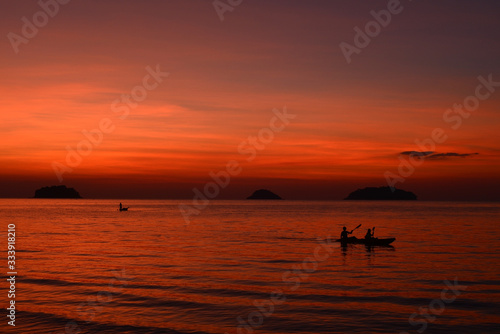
(371, 242)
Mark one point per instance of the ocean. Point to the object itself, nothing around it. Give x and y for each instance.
(250, 267)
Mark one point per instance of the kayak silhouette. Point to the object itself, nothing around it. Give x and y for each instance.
(370, 242)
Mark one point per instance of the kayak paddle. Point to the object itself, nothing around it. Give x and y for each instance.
(356, 228)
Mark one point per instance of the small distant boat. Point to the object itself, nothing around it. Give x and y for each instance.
(369, 242)
(123, 209)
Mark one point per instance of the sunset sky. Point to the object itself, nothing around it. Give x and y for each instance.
(352, 120)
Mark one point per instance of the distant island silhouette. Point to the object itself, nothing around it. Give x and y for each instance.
(381, 194)
(57, 192)
(263, 194)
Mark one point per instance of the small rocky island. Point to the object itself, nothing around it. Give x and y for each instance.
(57, 192)
(381, 194)
(263, 194)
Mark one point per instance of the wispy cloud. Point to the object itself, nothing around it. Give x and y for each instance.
(451, 155)
(437, 156)
(417, 154)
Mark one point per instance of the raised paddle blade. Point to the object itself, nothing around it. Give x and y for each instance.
(355, 228)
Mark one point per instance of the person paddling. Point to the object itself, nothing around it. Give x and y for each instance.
(369, 234)
(344, 233)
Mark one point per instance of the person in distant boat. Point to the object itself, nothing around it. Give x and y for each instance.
(121, 207)
(344, 233)
(369, 234)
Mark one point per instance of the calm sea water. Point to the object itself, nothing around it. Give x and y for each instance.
(252, 267)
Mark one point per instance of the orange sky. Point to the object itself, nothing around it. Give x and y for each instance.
(225, 78)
